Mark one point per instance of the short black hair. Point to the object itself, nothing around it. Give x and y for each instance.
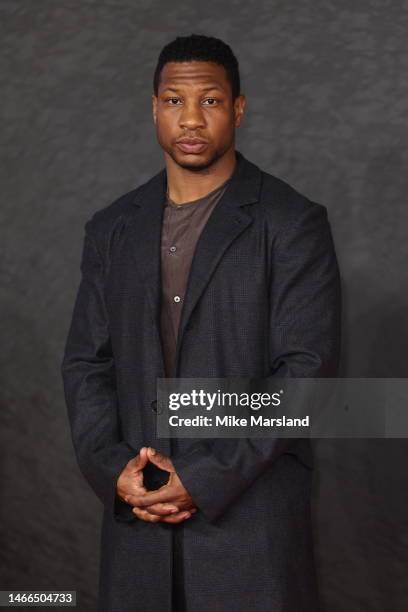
(198, 47)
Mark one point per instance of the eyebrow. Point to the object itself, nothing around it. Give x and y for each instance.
(203, 90)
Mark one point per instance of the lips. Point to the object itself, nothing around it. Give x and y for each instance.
(191, 145)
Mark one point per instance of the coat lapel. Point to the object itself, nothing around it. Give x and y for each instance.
(227, 221)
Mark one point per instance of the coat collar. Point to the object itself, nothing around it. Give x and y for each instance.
(243, 188)
(226, 222)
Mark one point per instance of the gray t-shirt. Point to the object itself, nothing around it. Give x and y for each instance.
(181, 228)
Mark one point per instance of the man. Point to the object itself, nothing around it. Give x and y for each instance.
(212, 268)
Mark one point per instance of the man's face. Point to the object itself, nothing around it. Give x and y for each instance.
(194, 102)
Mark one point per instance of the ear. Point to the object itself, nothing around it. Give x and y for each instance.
(154, 108)
(239, 107)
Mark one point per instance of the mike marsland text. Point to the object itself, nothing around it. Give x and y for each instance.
(255, 420)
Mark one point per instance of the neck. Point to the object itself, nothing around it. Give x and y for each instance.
(184, 185)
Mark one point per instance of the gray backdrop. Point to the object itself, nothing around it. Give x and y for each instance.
(326, 111)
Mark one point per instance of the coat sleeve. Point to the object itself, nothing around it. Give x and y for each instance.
(305, 328)
(90, 389)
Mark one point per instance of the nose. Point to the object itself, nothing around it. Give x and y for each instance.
(191, 116)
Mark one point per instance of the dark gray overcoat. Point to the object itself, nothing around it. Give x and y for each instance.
(263, 299)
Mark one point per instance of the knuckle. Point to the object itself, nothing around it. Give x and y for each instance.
(153, 511)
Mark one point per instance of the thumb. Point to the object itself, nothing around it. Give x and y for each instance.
(138, 462)
(161, 461)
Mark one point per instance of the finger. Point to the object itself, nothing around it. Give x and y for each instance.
(161, 461)
(138, 462)
(164, 494)
(168, 509)
(145, 516)
(127, 498)
(176, 518)
(143, 453)
(162, 509)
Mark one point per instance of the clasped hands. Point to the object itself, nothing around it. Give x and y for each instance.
(171, 503)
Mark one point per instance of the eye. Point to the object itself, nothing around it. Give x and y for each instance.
(212, 100)
(172, 99)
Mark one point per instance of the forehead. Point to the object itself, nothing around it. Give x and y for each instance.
(193, 74)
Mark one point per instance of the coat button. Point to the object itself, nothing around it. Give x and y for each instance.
(154, 407)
